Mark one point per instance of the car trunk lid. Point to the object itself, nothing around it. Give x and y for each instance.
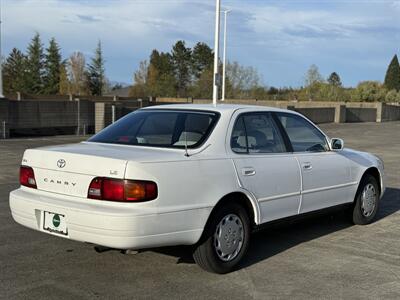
(70, 172)
(69, 169)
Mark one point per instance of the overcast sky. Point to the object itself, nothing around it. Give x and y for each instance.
(357, 39)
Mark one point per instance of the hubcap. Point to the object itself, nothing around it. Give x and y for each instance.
(228, 237)
(368, 200)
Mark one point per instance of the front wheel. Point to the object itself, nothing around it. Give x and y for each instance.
(366, 202)
(225, 240)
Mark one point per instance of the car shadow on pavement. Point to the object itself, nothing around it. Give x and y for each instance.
(279, 237)
(390, 203)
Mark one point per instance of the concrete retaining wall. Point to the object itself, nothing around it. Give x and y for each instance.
(318, 115)
(319, 111)
(105, 112)
(360, 114)
(50, 117)
(390, 112)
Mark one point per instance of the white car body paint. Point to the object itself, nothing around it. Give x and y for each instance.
(276, 185)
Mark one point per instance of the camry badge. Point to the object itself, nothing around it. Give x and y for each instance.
(61, 163)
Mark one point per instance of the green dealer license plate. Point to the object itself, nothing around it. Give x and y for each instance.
(54, 223)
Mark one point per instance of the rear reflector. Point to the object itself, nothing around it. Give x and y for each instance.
(122, 190)
(27, 177)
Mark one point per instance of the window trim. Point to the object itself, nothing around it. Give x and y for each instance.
(288, 147)
(191, 147)
(307, 121)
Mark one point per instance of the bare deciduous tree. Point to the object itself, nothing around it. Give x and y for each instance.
(241, 80)
(313, 80)
(140, 80)
(140, 76)
(76, 70)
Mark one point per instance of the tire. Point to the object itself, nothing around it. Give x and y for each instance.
(367, 201)
(209, 253)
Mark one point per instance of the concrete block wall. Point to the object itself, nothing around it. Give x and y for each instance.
(103, 111)
(4, 118)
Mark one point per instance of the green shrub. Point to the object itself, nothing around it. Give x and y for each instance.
(369, 91)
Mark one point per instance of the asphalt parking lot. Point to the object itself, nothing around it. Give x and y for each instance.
(322, 257)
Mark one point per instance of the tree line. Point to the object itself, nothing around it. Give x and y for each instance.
(181, 72)
(331, 89)
(43, 71)
(188, 72)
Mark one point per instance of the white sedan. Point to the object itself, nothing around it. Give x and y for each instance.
(199, 175)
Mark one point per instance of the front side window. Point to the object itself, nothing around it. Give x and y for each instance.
(303, 136)
(160, 128)
(256, 133)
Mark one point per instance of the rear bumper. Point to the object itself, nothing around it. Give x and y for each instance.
(110, 224)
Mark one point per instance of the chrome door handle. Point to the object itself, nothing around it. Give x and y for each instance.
(307, 166)
(248, 172)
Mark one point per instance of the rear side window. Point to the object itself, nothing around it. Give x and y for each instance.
(303, 136)
(256, 133)
(160, 128)
(239, 138)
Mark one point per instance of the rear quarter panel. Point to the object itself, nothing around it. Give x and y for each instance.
(190, 186)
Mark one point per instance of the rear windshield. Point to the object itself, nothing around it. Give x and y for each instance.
(160, 128)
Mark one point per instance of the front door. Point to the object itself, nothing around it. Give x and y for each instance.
(326, 177)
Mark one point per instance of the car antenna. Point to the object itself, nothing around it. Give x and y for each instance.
(186, 148)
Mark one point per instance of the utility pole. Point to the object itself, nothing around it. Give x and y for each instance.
(216, 52)
(224, 65)
(1, 62)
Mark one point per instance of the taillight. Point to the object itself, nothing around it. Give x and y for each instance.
(122, 190)
(95, 189)
(27, 177)
(113, 190)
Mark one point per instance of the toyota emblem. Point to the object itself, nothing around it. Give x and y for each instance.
(61, 163)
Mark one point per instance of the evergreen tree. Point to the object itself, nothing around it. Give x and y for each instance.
(392, 78)
(52, 68)
(181, 58)
(334, 80)
(202, 59)
(35, 66)
(96, 73)
(14, 72)
(160, 79)
(204, 85)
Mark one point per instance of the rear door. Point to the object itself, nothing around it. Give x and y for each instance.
(325, 174)
(264, 165)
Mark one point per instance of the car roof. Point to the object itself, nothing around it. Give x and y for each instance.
(222, 108)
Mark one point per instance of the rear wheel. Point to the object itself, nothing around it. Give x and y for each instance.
(366, 202)
(225, 240)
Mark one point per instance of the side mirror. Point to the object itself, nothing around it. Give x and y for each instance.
(337, 144)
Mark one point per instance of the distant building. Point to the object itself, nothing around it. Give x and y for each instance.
(122, 92)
